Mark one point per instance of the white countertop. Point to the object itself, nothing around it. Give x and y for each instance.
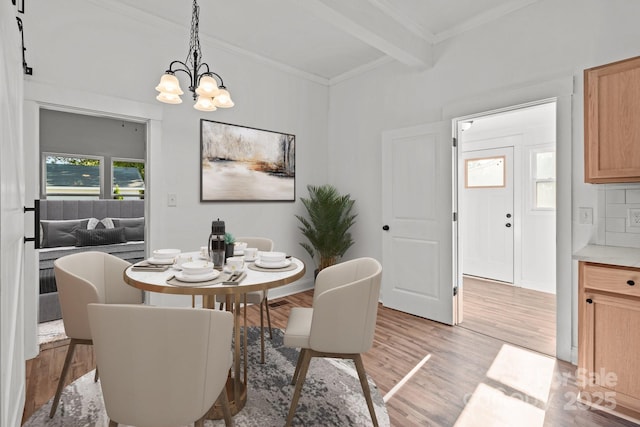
(612, 255)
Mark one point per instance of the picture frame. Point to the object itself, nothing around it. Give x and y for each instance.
(246, 164)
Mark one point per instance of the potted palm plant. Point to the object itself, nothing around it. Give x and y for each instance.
(327, 225)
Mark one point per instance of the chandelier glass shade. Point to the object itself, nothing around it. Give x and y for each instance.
(208, 88)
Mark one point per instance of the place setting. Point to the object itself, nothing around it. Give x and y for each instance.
(161, 260)
(272, 262)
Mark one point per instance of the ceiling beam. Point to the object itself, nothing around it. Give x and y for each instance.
(372, 26)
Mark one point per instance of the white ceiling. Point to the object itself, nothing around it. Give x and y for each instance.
(328, 40)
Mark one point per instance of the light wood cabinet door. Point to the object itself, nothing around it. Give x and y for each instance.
(611, 122)
(609, 339)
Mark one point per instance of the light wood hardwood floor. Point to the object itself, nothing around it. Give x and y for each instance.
(470, 379)
(515, 315)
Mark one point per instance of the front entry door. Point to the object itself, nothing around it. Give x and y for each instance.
(417, 213)
(486, 213)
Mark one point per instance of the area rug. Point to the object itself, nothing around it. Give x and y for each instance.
(331, 395)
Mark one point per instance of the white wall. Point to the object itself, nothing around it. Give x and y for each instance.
(547, 40)
(88, 48)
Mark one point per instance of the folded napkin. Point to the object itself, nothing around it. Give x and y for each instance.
(289, 267)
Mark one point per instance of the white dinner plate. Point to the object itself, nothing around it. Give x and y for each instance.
(282, 264)
(160, 261)
(194, 278)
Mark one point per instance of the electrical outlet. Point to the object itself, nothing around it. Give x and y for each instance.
(634, 217)
(172, 200)
(585, 215)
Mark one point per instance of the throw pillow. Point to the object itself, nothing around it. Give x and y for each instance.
(62, 232)
(105, 236)
(133, 228)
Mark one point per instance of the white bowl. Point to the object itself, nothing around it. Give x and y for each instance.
(197, 267)
(239, 246)
(166, 253)
(272, 257)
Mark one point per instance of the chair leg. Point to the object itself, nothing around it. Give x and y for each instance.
(261, 333)
(63, 376)
(113, 423)
(266, 304)
(306, 358)
(226, 408)
(365, 388)
(298, 364)
(199, 423)
(96, 376)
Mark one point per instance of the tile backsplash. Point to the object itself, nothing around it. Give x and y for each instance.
(619, 215)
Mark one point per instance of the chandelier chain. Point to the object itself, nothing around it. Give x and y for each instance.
(194, 55)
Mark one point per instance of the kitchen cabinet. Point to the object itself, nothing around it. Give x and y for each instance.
(608, 372)
(612, 122)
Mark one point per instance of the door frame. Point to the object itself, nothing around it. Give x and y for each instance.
(39, 96)
(561, 90)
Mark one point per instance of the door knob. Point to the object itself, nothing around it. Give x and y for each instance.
(385, 227)
(508, 225)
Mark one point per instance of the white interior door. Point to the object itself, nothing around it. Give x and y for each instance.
(417, 213)
(487, 213)
(12, 356)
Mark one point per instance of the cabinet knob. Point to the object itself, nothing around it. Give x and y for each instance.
(385, 227)
(589, 301)
(630, 282)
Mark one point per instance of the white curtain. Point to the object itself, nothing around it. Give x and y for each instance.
(12, 342)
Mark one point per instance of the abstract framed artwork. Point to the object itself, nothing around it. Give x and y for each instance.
(239, 163)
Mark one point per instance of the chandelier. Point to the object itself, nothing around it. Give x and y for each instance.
(208, 94)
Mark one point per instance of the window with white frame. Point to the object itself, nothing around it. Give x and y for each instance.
(543, 167)
(71, 176)
(127, 178)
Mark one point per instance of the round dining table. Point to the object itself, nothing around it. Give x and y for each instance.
(253, 279)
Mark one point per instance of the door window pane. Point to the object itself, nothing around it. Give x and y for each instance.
(485, 172)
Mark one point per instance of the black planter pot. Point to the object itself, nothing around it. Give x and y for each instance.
(228, 250)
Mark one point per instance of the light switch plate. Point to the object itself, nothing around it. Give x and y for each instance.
(585, 215)
(634, 217)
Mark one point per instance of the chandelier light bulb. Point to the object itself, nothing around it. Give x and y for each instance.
(169, 98)
(169, 84)
(208, 87)
(223, 99)
(204, 104)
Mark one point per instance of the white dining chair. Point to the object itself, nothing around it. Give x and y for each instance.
(162, 366)
(263, 244)
(81, 279)
(341, 323)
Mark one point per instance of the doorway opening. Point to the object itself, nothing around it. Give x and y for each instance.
(506, 185)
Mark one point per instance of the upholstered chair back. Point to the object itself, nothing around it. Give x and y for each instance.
(261, 243)
(160, 366)
(345, 307)
(90, 277)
